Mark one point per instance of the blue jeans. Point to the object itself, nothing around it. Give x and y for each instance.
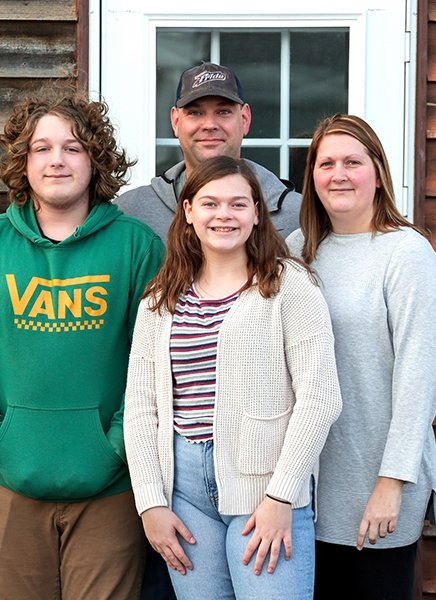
(218, 572)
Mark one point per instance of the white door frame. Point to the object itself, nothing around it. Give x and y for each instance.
(382, 66)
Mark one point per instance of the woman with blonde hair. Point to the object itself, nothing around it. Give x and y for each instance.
(378, 274)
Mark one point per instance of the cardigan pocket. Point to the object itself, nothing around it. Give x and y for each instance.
(260, 442)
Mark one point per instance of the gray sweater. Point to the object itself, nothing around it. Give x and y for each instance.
(381, 293)
(155, 204)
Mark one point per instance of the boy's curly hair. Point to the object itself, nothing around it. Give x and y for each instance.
(90, 125)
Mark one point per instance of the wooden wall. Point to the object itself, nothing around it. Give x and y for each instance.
(430, 173)
(40, 40)
(425, 214)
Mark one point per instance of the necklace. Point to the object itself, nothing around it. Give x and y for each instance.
(203, 293)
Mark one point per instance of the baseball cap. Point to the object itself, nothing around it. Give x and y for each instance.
(208, 79)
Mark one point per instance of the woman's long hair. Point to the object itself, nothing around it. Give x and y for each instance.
(266, 249)
(314, 220)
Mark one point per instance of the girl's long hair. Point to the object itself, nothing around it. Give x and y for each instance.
(314, 220)
(266, 249)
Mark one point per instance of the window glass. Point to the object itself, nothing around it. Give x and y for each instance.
(166, 157)
(267, 157)
(255, 58)
(297, 164)
(318, 77)
(176, 51)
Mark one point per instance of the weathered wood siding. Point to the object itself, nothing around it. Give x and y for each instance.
(39, 40)
(430, 174)
(427, 57)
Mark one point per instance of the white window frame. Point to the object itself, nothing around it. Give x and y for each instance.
(382, 63)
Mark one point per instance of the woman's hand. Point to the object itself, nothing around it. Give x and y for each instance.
(381, 512)
(271, 521)
(161, 527)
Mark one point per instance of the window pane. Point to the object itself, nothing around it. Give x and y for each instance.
(166, 157)
(319, 77)
(176, 51)
(255, 58)
(267, 157)
(297, 164)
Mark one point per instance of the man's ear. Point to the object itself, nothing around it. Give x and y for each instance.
(246, 118)
(174, 117)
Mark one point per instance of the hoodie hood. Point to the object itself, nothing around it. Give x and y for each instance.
(23, 218)
(165, 185)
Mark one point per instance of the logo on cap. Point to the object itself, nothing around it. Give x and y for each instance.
(208, 76)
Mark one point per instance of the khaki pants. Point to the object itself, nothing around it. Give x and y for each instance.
(91, 550)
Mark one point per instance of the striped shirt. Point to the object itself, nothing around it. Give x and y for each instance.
(193, 348)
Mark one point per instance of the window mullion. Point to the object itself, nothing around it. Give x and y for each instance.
(215, 47)
(284, 102)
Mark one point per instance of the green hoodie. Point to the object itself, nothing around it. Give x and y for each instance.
(67, 313)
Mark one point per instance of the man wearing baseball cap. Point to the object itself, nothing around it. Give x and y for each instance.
(210, 118)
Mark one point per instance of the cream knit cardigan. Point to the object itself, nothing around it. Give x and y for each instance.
(277, 394)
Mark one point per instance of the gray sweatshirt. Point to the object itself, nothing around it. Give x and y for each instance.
(155, 204)
(381, 293)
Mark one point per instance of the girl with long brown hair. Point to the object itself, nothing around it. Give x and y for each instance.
(231, 391)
